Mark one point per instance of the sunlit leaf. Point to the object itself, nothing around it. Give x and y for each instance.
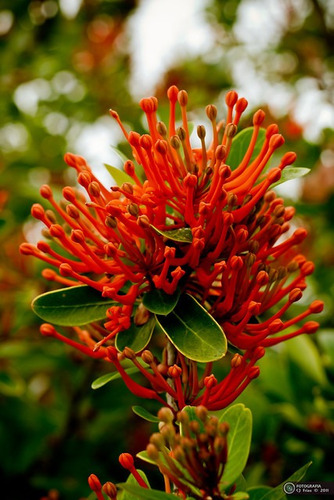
(240, 145)
(118, 175)
(145, 414)
(193, 331)
(290, 173)
(108, 377)
(131, 482)
(239, 436)
(73, 306)
(182, 235)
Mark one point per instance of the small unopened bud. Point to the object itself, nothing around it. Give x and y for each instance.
(94, 483)
(231, 98)
(94, 189)
(142, 315)
(147, 357)
(84, 179)
(126, 461)
(158, 440)
(110, 222)
(316, 307)
(129, 168)
(174, 371)
(182, 97)
(47, 330)
(72, 211)
(211, 112)
(311, 327)
(110, 490)
(143, 221)
(129, 353)
(127, 187)
(210, 381)
(307, 268)
(254, 372)
(236, 360)
(201, 132)
(201, 413)
(78, 236)
(258, 117)
(46, 192)
(181, 133)
(175, 142)
(295, 295)
(162, 129)
(152, 452)
(165, 415)
(292, 266)
(231, 130)
(133, 209)
(51, 216)
(161, 147)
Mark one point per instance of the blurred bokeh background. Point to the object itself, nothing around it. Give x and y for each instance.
(64, 63)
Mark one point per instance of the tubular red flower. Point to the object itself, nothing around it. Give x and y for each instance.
(238, 261)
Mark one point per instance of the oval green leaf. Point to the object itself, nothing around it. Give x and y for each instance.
(239, 436)
(183, 234)
(73, 306)
(193, 331)
(108, 377)
(290, 173)
(159, 302)
(240, 145)
(136, 337)
(145, 414)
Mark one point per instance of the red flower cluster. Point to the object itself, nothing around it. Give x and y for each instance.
(233, 251)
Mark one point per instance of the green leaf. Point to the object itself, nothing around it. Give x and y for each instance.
(239, 436)
(159, 302)
(138, 493)
(290, 173)
(145, 414)
(304, 353)
(144, 456)
(12, 384)
(193, 331)
(239, 495)
(118, 175)
(325, 339)
(136, 337)
(108, 377)
(258, 492)
(240, 145)
(191, 412)
(127, 494)
(120, 154)
(262, 493)
(183, 234)
(73, 306)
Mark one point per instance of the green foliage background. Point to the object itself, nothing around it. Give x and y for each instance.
(61, 73)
